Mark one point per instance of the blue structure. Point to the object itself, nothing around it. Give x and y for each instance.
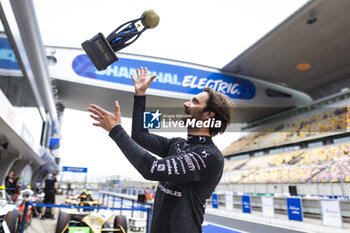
(294, 208)
(246, 205)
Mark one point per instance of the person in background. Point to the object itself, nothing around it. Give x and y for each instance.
(10, 183)
(72, 188)
(82, 196)
(89, 196)
(15, 186)
(50, 190)
(69, 188)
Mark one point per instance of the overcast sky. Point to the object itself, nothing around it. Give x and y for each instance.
(205, 32)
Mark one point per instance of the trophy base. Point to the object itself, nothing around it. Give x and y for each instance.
(99, 51)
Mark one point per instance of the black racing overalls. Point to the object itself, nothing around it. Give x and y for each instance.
(188, 172)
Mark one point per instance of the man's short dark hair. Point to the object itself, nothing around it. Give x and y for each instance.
(223, 107)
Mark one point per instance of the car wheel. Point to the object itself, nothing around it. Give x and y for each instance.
(62, 223)
(12, 221)
(120, 222)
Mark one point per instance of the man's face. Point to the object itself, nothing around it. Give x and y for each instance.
(11, 174)
(194, 107)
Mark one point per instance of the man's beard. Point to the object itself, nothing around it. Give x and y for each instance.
(187, 116)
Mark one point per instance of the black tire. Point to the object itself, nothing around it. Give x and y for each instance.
(120, 221)
(62, 223)
(12, 221)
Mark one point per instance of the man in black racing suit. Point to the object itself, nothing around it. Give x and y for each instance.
(188, 171)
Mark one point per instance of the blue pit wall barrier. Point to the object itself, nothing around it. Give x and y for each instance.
(147, 209)
(122, 200)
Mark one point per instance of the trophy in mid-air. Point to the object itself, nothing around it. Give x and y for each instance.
(101, 50)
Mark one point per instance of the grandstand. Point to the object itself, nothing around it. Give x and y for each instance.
(303, 146)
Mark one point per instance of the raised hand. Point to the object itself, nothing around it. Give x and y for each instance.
(142, 82)
(106, 120)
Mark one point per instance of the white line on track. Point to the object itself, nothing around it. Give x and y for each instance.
(229, 228)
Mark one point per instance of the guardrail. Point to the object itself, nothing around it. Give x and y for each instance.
(311, 207)
(122, 197)
(336, 209)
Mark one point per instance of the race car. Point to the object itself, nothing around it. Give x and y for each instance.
(71, 200)
(72, 220)
(29, 196)
(76, 202)
(11, 215)
(83, 199)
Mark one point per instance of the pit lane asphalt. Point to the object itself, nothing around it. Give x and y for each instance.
(245, 225)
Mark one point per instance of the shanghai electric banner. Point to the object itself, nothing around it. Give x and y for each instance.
(170, 77)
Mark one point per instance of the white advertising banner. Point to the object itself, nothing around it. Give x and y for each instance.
(331, 215)
(229, 201)
(267, 206)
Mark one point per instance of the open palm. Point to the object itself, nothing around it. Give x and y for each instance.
(142, 82)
